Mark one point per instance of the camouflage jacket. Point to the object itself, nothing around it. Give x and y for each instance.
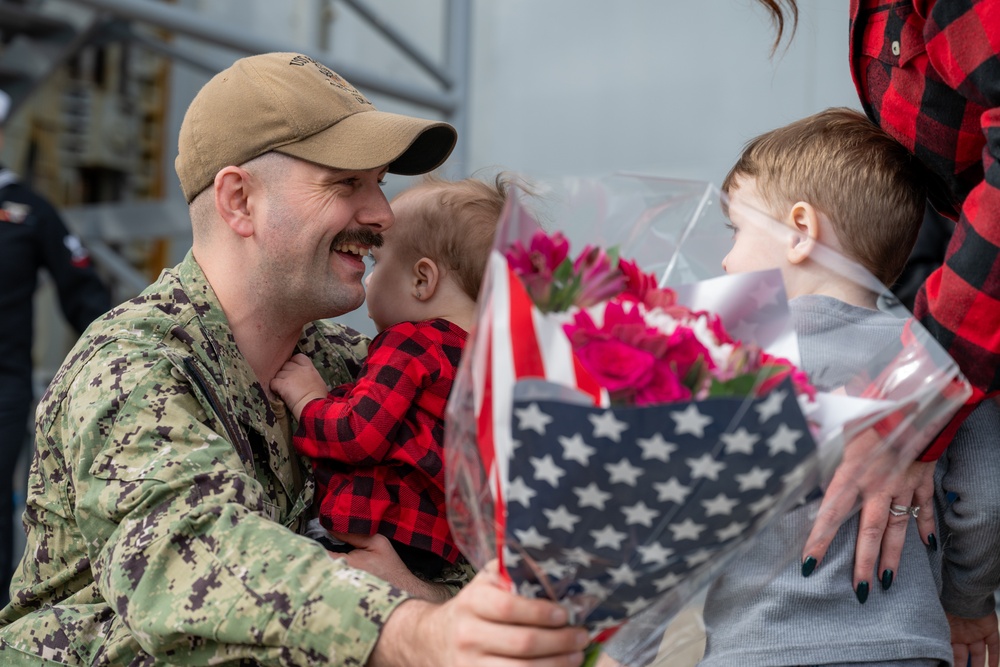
(164, 501)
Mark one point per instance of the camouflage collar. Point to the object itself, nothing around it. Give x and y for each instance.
(219, 348)
(238, 387)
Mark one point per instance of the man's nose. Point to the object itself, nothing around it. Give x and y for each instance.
(376, 211)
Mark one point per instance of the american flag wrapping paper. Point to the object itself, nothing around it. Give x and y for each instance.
(608, 508)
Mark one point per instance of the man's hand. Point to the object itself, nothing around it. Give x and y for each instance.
(483, 625)
(298, 382)
(973, 638)
(374, 554)
(871, 476)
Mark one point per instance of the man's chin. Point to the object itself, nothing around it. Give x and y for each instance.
(341, 308)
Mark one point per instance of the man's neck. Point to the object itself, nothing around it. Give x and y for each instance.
(265, 347)
(266, 339)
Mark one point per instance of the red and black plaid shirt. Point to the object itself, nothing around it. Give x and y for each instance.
(378, 442)
(928, 73)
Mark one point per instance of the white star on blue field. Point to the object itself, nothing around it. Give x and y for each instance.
(610, 508)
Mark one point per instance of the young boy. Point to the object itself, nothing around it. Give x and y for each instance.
(837, 182)
(377, 442)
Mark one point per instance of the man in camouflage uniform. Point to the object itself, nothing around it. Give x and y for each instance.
(165, 497)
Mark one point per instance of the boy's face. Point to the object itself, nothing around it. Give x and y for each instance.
(757, 239)
(390, 284)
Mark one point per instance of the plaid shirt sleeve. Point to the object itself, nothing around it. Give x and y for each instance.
(378, 443)
(357, 424)
(928, 72)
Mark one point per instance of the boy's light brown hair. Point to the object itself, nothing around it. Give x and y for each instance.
(455, 222)
(869, 186)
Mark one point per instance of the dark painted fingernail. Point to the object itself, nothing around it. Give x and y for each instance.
(862, 592)
(886, 579)
(808, 565)
(932, 542)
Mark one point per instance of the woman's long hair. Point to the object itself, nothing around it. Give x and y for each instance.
(777, 9)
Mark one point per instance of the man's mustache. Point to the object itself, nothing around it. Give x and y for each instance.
(363, 237)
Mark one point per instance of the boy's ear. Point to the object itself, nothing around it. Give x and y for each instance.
(804, 221)
(233, 188)
(426, 278)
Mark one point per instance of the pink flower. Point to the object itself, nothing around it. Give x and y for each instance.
(686, 350)
(617, 366)
(779, 369)
(543, 268)
(635, 362)
(599, 277)
(664, 386)
(555, 283)
(642, 287)
(717, 329)
(542, 257)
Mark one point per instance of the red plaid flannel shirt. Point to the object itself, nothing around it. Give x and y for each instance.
(928, 72)
(378, 442)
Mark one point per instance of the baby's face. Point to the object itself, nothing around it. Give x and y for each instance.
(758, 240)
(388, 285)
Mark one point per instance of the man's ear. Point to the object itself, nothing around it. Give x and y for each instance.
(233, 189)
(426, 278)
(804, 221)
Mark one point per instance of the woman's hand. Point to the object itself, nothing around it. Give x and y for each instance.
(871, 477)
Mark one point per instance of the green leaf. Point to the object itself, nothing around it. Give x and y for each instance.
(695, 377)
(563, 272)
(613, 254)
(741, 385)
(591, 655)
(744, 385)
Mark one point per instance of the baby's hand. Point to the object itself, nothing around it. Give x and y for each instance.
(298, 382)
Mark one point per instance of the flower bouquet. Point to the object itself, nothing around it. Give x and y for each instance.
(614, 435)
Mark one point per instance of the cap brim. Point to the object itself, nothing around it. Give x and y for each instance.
(371, 139)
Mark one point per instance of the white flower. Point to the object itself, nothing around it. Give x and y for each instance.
(720, 352)
(659, 319)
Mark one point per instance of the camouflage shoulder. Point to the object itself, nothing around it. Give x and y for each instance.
(133, 320)
(334, 348)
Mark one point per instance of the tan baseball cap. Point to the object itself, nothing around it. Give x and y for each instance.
(289, 103)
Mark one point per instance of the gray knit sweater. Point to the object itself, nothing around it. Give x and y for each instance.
(763, 613)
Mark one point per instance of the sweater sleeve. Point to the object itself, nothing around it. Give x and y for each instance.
(969, 492)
